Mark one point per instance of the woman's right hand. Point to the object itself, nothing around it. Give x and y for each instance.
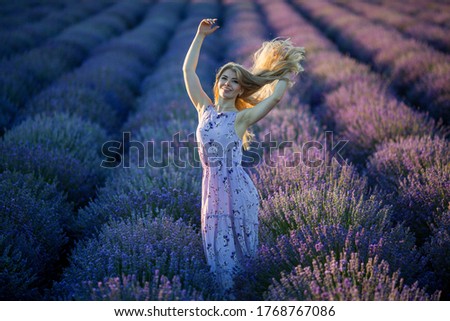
(207, 26)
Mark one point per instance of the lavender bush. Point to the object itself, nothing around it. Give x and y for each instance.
(434, 35)
(157, 25)
(328, 70)
(128, 288)
(394, 160)
(346, 95)
(422, 199)
(176, 134)
(416, 171)
(292, 122)
(33, 217)
(137, 246)
(307, 245)
(61, 149)
(405, 60)
(138, 190)
(327, 195)
(104, 76)
(437, 249)
(23, 76)
(347, 278)
(33, 32)
(84, 102)
(57, 56)
(62, 132)
(103, 26)
(150, 123)
(366, 115)
(55, 167)
(436, 12)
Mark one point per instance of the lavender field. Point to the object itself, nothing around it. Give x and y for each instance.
(100, 180)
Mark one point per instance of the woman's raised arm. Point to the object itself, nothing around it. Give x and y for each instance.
(193, 86)
(260, 110)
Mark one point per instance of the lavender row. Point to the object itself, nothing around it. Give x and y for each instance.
(436, 12)
(420, 195)
(164, 90)
(54, 169)
(13, 14)
(416, 171)
(244, 32)
(326, 212)
(24, 75)
(165, 199)
(350, 91)
(297, 198)
(61, 150)
(33, 33)
(346, 279)
(416, 70)
(64, 149)
(286, 208)
(149, 250)
(105, 86)
(103, 82)
(347, 94)
(33, 220)
(420, 192)
(434, 35)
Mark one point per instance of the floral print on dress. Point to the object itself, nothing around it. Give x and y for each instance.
(230, 201)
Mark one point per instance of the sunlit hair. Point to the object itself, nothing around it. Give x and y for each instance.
(275, 60)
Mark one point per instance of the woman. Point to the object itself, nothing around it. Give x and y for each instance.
(230, 201)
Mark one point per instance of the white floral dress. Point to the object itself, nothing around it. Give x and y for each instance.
(230, 201)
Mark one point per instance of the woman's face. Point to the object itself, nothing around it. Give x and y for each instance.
(229, 87)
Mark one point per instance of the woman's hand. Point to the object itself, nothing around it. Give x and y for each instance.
(290, 78)
(207, 27)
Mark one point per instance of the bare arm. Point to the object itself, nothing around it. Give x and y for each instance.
(252, 115)
(193, 86)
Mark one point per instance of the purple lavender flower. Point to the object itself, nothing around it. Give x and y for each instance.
(415, 170)
(34, 217)
(369, 280)
(137, 246)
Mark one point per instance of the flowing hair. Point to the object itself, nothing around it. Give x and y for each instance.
(276, 59)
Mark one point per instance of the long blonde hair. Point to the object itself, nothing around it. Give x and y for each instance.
(276, 59)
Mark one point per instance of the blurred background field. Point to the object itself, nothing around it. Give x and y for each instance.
(78, 225)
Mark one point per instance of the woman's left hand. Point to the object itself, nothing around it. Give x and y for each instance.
(207, 26)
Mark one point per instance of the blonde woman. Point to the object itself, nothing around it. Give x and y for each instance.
(230, 201)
